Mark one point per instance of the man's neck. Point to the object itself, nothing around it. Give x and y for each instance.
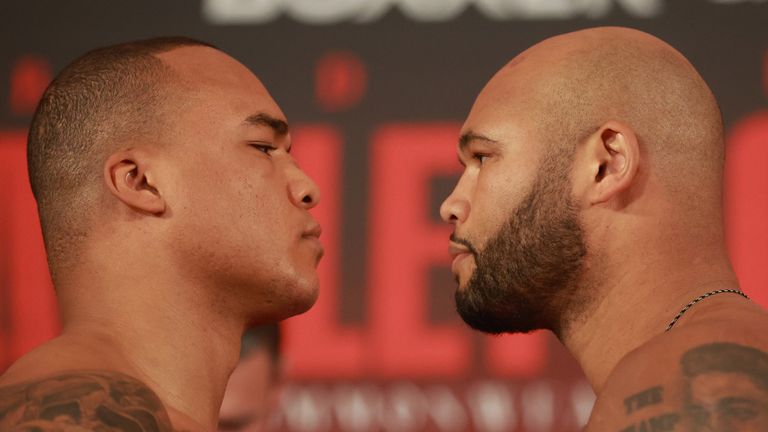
(635, 303)
(188, 363)
(161, 331)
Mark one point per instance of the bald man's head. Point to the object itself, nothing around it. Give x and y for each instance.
(582, 145)
(90, 108)
(579, 81)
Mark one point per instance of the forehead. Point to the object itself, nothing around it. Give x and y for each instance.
(518, 100)
(219, 83)
(506, 109)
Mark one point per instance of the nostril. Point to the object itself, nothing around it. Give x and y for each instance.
(307, 199)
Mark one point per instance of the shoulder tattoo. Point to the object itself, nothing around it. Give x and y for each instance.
(725, 388)
(82, 401)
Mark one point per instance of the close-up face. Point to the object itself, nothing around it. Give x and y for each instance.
(500, 153)
(727, 402)
(516, 240)
(239, 203)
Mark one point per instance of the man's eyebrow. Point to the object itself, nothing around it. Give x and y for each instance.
(470, 136)
(261, 119)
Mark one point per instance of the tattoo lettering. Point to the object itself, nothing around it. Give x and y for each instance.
(643, 399)
(726, 388)
(78, 401)
(661, 423)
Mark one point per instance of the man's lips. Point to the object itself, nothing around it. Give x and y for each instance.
(456, 249)
(314, 230)
(459, 253)
(312, 233)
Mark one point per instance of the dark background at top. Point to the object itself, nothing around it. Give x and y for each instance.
(418, 70)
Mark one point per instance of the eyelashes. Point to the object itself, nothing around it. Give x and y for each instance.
(480, 157)
(264, 148)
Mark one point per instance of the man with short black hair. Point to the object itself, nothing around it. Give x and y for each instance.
(173, 215)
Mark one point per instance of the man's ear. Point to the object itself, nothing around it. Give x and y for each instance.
(613, 157)
(129, 178)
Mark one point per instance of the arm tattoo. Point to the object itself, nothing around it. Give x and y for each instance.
(725, 388)
(83, 401)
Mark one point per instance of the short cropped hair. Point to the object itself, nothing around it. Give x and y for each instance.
(101, 97)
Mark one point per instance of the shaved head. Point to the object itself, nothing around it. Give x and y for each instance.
(101, 101)
(580, 80)
(532, 206)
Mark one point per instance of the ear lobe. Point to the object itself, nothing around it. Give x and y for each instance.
(616, 156)
(129, 180)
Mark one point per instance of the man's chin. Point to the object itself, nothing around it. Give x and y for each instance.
(484, 319)
(309, 301)
(306, 295)
(462, 279)
(472, 313)
(492, 327)
(298, 298)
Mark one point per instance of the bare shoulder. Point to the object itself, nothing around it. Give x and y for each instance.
(82, 401)
(710, 375)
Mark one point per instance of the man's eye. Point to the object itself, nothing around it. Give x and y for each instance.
(265, 148)
(480, 157)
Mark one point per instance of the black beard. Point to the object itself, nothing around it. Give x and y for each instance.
(525, 277)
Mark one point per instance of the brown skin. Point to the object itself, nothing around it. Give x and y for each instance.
(199, 232)
(645, 144)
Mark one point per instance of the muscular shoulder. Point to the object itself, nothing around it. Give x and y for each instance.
(82, 401)
(709, 375)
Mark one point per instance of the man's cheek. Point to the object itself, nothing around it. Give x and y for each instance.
(487, 224)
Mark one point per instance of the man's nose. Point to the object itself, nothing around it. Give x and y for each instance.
(302, 189)
(455, 209)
